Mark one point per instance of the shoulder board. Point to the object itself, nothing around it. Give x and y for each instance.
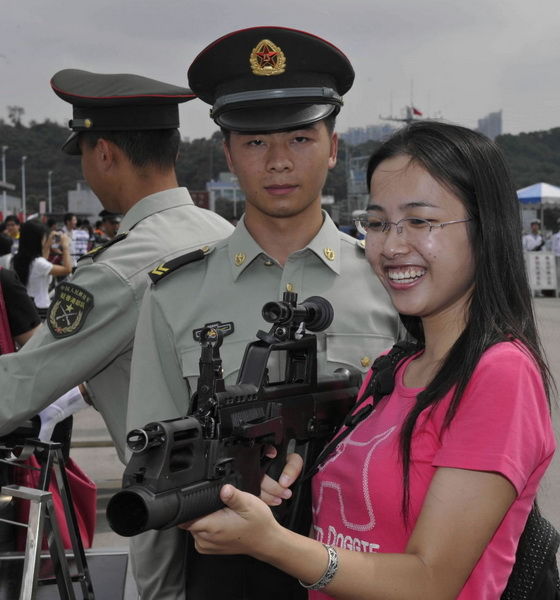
(361, 244)
(164, 269)
(99, 249)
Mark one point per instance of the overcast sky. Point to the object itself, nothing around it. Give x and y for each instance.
(460, 59)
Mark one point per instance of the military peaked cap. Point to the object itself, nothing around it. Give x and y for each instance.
(270, 79)
(107, 215)
(117, 102)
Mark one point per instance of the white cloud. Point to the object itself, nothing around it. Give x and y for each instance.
(464, 59)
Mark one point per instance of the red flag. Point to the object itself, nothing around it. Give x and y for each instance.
(415, 111)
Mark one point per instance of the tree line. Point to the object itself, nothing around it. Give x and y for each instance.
(532, 157)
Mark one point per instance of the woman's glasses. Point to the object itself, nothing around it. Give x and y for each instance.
(412, 227)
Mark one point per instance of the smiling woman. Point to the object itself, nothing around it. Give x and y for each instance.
(427, 269)
(427, 496)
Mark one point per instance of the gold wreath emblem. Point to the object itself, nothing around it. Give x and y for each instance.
(267, 59)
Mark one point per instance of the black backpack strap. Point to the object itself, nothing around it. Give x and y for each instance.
(535, 572)
(381, 383)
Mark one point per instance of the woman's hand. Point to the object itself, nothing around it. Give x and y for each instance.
(274, 492)
(240, 528)
(64, 241)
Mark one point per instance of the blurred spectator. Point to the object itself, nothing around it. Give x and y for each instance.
(555, 247)
(52, 223)
(533, 241)
(12, 224)
(21, 319)
(85, 225)
(55, 254)
(31, 263)
(79, 238)
(108, 227)
(5, 251)
(21, 312)
(555, 240)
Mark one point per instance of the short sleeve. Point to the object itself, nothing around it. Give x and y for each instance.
(503, 422)
(42, 266)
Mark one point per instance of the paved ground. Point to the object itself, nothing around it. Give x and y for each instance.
(97, 457)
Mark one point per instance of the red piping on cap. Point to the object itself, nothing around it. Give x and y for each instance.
(224, 37)
(120, 97)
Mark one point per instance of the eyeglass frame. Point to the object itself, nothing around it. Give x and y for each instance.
(386, 225)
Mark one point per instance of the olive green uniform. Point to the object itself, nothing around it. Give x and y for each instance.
(98, 347)
(229, 287)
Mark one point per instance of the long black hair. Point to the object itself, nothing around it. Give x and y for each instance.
(30, 247)
(472, 167)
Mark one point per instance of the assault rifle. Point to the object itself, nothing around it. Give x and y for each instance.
(178, 466)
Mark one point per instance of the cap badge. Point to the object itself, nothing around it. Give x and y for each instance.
(267, 59)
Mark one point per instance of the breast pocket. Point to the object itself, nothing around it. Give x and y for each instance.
(356, 350)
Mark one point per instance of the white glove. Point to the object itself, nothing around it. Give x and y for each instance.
(66, 405)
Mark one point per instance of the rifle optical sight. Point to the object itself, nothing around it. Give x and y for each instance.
(316, 312)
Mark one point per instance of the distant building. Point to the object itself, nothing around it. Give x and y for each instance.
(225, 187)
(83, 202)
(358, 135)
(491, 125)
(13, 204)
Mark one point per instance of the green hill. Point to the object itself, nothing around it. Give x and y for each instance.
(533, 157)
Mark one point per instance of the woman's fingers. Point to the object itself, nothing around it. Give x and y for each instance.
(274, 492)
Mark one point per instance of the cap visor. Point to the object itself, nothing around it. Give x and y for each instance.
(71, 145)
(273, 118)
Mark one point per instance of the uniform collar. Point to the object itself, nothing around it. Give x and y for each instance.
(154, 203)
(326, 244)
(243, 249)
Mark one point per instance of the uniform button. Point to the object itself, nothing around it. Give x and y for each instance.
(239, 258)
(366, 361)
(205, 249)
(268, 263)
(329, 253)
(289, 287)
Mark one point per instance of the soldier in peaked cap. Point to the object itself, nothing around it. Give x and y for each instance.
(117, 102)
(125, 128)
(275, 92)
(270, 79)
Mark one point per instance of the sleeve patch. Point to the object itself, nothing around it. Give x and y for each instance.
(69, 309)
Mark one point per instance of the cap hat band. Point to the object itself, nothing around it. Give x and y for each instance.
(124, 118)
(310, 95)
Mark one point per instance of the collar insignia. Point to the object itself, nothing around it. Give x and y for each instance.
(329, 253)
(69, 309)
(267, 59)
(225, 328)
(239, 258)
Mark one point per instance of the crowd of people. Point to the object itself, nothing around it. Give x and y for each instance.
(425, 490)
(44, 252)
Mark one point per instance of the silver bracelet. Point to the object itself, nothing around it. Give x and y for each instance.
(327, 576)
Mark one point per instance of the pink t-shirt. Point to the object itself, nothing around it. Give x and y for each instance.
(502, 425)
